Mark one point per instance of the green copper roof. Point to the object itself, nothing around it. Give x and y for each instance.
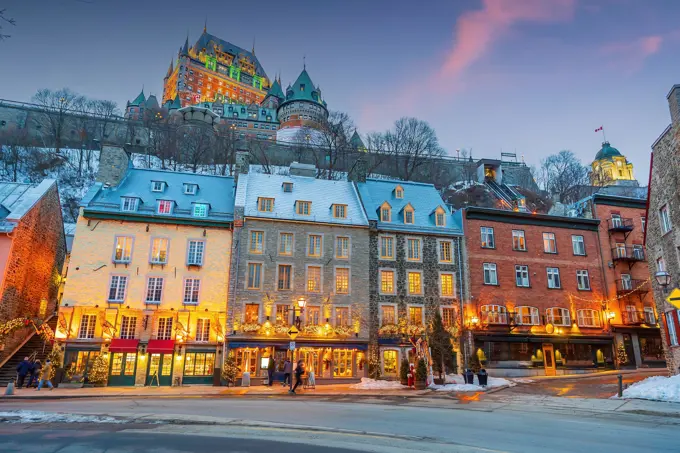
(176, 104)
(356, 142)
(304, 90)
(276, 90)
(607, 152)
(139, 100)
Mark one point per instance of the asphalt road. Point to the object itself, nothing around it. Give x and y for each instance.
(511, 427)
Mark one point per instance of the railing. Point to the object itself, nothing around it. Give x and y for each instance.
(628, 253)
(619, 224)
(638, 317)
(631, 286)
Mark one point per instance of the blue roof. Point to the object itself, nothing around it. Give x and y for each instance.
(217, 191)
(321, 193)
(424, 199)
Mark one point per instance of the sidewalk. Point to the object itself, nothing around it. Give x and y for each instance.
(650, 371)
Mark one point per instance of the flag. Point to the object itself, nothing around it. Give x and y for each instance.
(599, 129)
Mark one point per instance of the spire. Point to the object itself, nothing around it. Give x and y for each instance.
(185, 49)
(169, 70)
(205, 25)
(253, 51)
(304, 62)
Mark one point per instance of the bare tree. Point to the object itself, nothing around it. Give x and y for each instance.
(333, 142)
(259, 151)
(5, 19)
(195, 142)
(561, 174)
(224, 151)
(57, 107)
(413, 142)
(377, 153)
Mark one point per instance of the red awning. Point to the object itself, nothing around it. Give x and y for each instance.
(120, 345)
(160, 346)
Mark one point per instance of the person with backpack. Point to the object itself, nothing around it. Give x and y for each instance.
(35, 373)
(299, 371)
(287, 371)
(45, 376)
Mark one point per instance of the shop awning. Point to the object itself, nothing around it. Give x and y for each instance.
(160, 346)
(120, 345)
(299, 344)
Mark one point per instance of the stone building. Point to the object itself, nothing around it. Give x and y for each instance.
(32, 253)
(536, 291)
(299, 240)
(663, 222)
(415, 266)
(148, 276)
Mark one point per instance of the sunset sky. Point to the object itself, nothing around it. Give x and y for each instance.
(531, 76)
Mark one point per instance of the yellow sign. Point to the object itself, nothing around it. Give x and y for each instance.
(293, 332)
(674, 298)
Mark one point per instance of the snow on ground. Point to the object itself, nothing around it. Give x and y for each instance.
(53, 417)
(658, 388)
(372, 384)
(522, 380)
(456, 383)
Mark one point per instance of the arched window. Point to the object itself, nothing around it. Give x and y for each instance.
(527, 316)
(588, 318)
(558, 316)
(494, 314)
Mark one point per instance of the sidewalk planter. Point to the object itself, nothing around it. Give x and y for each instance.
(421, 385)
(469, 377)
(439, 381)
(483, 378)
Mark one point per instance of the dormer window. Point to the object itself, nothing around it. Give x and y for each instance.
(287, 187)
(265, 204)
(339, 211)
(302, 87)
(200, 210)
(408, 214)
(129, 204)
(157, 186)
(399, 192)
(165, 206)
(440, 217)
(385, 213)
(303, 207)
(190, 189)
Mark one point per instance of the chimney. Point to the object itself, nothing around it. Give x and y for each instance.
(674, 103)
(114, 162)
(298, 169)
(242, 163)
(358, 172)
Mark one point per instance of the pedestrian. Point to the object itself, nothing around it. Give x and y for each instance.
(271, 366)
(299, 371)
(45, 376)
(287, 371)
(23, 369)
(35, 374)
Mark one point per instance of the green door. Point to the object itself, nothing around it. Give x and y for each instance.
(122, 369)
(161, 366)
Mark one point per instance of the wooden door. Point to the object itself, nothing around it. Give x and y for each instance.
(549, 359)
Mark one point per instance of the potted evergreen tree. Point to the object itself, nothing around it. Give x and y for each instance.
(421, 375)
(442, 350)
(403, 372)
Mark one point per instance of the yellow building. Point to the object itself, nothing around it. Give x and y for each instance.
(148, 276)
(610, 166)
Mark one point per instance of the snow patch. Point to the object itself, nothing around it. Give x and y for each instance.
(373, 384)
(657, 388)
(522, 380)
(456, 383)
(53, 417)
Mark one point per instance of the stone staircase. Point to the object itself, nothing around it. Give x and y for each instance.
(34, 345)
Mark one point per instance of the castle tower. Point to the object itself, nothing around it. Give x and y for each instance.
(610, 167)
(303, 112)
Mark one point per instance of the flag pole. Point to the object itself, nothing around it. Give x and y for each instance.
(604, 137)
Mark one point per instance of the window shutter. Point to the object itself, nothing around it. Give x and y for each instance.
(676, 316)
(567, 317)
(579, 317)
(665, 328)
(535, 318)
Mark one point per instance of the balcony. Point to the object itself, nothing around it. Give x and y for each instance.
(636, 318)
(627, 254)
(619, 225)
(631, 287)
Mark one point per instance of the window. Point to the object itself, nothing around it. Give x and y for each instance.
(257, 242)
(549, 244)
(195, 253)
(117, 287)
(494, 314)
(387, 247)
(558, 316)
(448, 316)
(342, 363)
(620, 250)
(164, 328)
(282, 315)
(157, 186)
(199, 363)
(287, 187)
(286, 244)
(583, 280)
(616, 221)
(650, 318)
(415, 283)
(664, 220)
(342, 247)
(154, 290)
(265, 204)
(388, 315)
(415, 315)
(342, 280)
(200, 210)
(203, 329)
(643, 223)
(385, 213)
(412, 249)
(522, 276)
(251, 314)
(399, 192)
(304, 207)
(445, 252)
(578, 245)
(342, 316)
(314, 245)
(191, 290)
(390, 362)
(190, 189)
(313, 279)
(313, 316)
(670, 324)
(638, 252)
(165, 207)
(254, 276)
(284, 277)
(446, 285)
(626, 282)
(518, 240)
(87, 326)
(440, 217)
(528, 316)
(340, 211)
(159, 251)
(122, 252)
(553, 277)
(487, 238)
(387, 285)
(128, 327)
(588, 318)
(129, 204)
(490, 276)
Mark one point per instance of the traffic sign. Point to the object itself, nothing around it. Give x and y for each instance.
(291, 346)
(293, 332)
(674, 298)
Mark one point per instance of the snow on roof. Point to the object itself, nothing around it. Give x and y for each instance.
(17, 199)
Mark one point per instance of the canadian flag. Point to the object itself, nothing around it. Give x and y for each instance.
(599, 129)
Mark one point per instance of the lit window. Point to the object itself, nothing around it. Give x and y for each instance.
(415, 315)
(342, 280)
(448, 316)
(265, 204)
(342, 316)
(165, 207)
(578, 245)
(284, 277)
(195, 253)
(518, 240)
(549, 244)
(445, 252)
(254, 275)
(313, 279)
(488, 241)
(88, 324)
(494, 314)
(252, 314)
(340, 211)
(157, 186)
(583, 280)
(200, 210)
(415, 283)
(558, 316)
(203, 329)
(490, 275)
(387, 282)
(192, 288)
(446, 285)
(527, 316)
(122, 251)
(129, 204)
(588, 318)
(304, 207)
(522, 276)
(159, 251)
(342, 247)
(553, 277)
(164, 328)
(388, 315)
(413, 249)
(286, 244)
(117, 286)
(257, 242)
(314, 245)
(154, 290)
(387, 247)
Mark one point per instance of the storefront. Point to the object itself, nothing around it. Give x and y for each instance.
(161, 362)
(642, 346)
(123, 362)
(199, 366)
(78, 360)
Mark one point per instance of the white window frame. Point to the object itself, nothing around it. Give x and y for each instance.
(203, 326)
(565, 316)
(157, 260)
(393, 248)
(408, 282)
(320, 289)
(643, 223)
(490, 267)
(292, 243)
(453, 285)
(202, 252)
(439, 251)
(499, 313)
(582, 274)
(407, 241)
(550, 273)
(195, 281)
(129, 204)
(118, 289)
(650, 315)
(200, 210)
(533, 314)
(580, 318)
(520, 235)
(665, 219)
(246, 285)
(149, 291)
(576, 242)
(128, 330)
(123, 259)
(157, 186)
(190, 189)
(166, 329)
(164, 203)
(394, 281)
(549, 237)
(349, 280)
(87, 327)
(487, 237)
(522, 271)
(670, 326)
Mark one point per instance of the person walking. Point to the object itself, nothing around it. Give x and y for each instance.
(35, 374)
(299, 371)
(271, 367)
(45, 376)
(23, 369)
(287, 371)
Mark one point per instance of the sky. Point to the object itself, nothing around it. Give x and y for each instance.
(527, 76)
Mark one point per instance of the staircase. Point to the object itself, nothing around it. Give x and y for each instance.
(508, 196)
(34, 345)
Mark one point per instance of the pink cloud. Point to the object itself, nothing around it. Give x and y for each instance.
(632, 54)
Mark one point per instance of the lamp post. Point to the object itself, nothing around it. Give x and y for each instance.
(293, 332)
(663, 278)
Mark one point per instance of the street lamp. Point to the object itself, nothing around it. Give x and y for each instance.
(663, 278)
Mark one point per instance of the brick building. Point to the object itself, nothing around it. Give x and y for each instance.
(536, 286)
(32, 252)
